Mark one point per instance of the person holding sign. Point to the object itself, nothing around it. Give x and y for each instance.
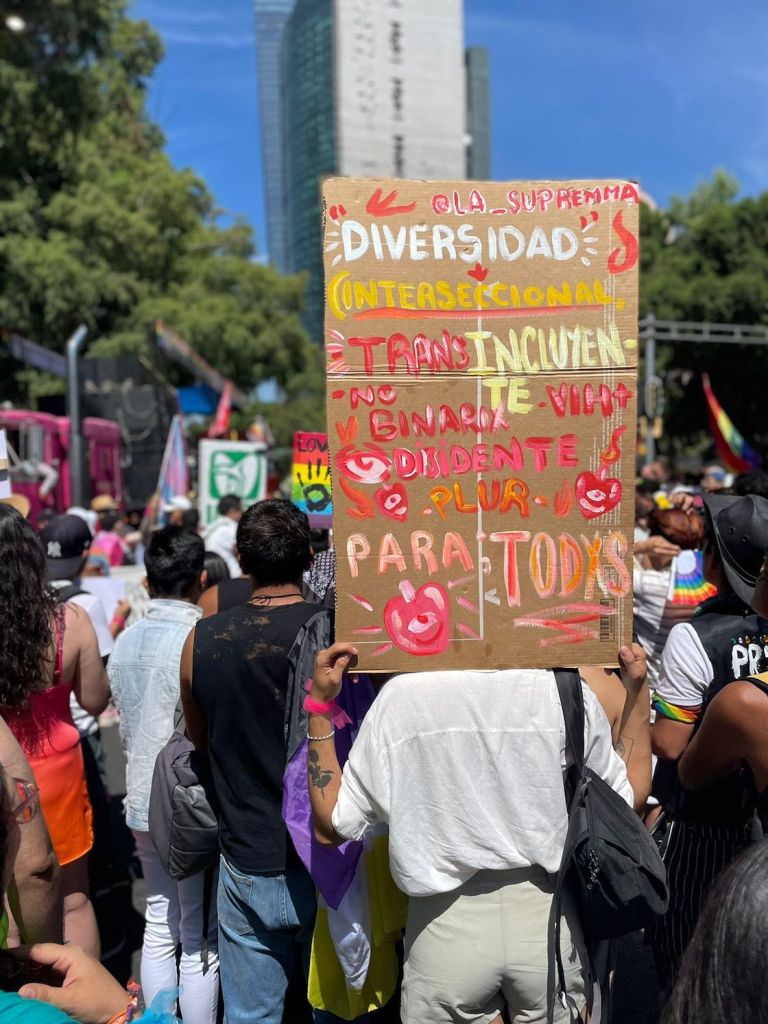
(466, 769)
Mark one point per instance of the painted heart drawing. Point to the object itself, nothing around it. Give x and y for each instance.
(418, 621)
(596, 496)
(392, 501)
(479, 272)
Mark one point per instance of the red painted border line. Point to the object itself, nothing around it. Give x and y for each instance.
(396, 313)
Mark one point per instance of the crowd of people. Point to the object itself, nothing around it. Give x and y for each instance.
(311, 771)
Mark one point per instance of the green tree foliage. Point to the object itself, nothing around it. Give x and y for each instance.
(97, 226)
(706, 259)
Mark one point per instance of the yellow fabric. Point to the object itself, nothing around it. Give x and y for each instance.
(388, 908)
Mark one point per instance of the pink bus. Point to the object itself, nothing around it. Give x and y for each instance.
(38, 446)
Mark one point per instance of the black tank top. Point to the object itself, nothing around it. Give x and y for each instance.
(240, 675)
(234, 592)
(735, 640)
(760, 800)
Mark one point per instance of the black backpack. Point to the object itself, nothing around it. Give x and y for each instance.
(610, 861)
(183, 823)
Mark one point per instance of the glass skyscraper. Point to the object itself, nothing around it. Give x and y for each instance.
(271, 18)
(367, 88)
(310, 142)
(478, 114)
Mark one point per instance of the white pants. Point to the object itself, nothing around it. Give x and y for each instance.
(471, 951)
(174, 915)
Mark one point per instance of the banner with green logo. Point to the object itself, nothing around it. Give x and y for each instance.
(230, 467)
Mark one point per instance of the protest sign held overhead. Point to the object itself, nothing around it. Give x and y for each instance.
(482, 370)
(311, 489)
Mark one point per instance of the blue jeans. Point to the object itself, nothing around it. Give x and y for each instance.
(264, 920)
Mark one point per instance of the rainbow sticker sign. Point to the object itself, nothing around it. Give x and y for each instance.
(312, 479)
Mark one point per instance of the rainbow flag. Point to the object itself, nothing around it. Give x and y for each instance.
(174, 472)
(731, 446)
(688, 587)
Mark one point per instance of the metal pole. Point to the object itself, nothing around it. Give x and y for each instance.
(650, 383)
(78, 474)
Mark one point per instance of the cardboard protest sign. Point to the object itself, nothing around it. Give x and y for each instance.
(312, 479)
(482, 377)
(230, 467)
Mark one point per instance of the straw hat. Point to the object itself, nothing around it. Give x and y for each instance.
(104, 503)
(19, 502)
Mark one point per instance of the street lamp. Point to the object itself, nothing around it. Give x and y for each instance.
(15, 23)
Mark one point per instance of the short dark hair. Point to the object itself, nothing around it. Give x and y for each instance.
(273, 541)
(190, 519)
(755, 482)
(321, 540)
(216, 568)
(229, 503)
(108, 520)
(174, 561)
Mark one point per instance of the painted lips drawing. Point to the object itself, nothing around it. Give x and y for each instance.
(418, 621)
(235, 476)
(596, 496)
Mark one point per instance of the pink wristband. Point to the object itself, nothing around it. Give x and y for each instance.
(319, 707)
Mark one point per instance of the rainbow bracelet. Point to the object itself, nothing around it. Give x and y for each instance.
(687, 716)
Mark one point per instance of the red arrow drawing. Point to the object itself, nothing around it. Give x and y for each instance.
(382, 207)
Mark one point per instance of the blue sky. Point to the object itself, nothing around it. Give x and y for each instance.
(660, 90)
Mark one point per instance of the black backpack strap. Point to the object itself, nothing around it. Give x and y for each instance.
(761, 684)
(572, 703)
(64, 594)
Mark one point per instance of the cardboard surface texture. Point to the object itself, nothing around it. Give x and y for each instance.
(481, 342)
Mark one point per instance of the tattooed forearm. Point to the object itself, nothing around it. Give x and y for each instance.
(318, 776)
(623, 747)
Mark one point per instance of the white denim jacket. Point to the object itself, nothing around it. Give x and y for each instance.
(144, 676)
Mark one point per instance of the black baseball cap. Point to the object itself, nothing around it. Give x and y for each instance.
(740, 526)
(67, 541)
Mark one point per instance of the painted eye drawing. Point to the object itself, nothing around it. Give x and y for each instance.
(369, 464)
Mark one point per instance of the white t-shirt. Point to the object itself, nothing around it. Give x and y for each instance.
(467, 770)
(221, 538)
(649, 601)
(686, 671)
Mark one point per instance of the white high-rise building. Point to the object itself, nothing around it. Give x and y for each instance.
(399, 88)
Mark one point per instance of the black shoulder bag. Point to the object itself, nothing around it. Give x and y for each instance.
(610, 861)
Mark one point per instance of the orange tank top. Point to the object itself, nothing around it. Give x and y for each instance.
(47, 735)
